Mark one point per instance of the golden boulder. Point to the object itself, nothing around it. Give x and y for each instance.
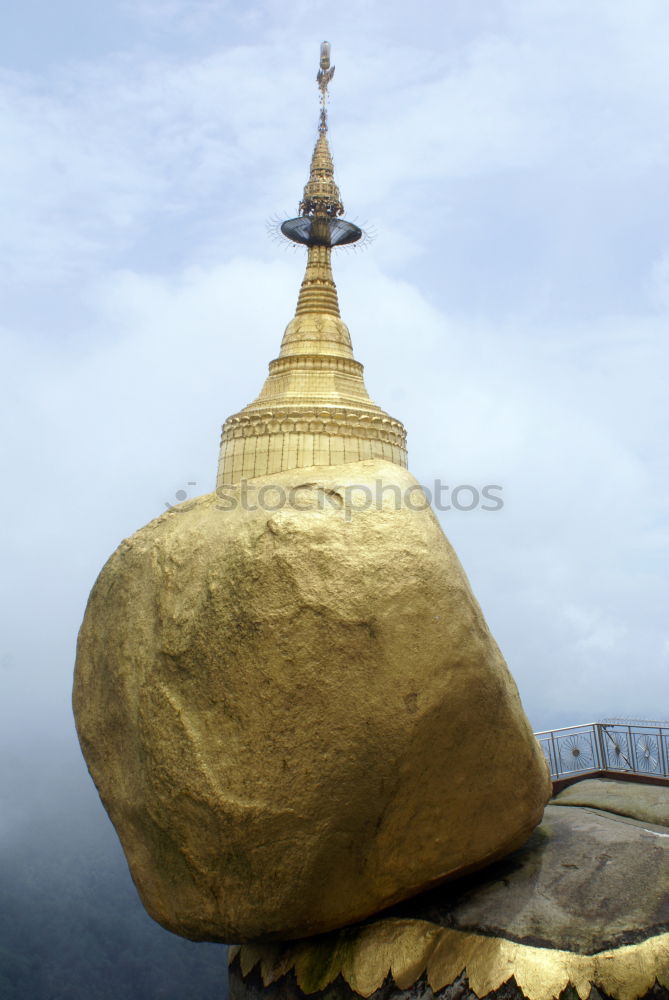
(293, 709)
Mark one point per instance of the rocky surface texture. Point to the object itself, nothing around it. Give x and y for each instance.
(295, 714)
(583, 905)
(648, 803)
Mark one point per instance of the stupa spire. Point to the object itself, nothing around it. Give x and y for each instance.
(314, 408)
(321, 194)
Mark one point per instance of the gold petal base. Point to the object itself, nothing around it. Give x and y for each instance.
(409, 949)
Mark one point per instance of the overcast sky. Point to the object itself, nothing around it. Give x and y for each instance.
(511, 156)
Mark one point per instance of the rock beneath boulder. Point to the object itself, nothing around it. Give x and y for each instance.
(294, 711)
(585, 903)
(575, 886)
(649, 803)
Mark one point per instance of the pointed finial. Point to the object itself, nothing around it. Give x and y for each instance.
(325, 73)
(318, 223)
(323, 77)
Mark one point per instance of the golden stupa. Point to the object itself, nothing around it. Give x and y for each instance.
(313, 408)
(295, 713)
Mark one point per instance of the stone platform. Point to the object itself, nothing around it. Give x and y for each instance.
(582, 909)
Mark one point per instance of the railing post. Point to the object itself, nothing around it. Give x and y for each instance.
(633, 766)
(600, 746)
(555, 759)
(663, 752)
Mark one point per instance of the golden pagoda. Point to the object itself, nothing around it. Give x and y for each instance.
(314, 408)
(294, 712)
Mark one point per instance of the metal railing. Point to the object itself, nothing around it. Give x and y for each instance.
(632, 746)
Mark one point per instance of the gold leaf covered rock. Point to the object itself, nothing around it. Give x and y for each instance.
(298, 717)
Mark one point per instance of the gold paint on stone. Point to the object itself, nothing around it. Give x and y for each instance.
(290, 713)
(409, 949)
